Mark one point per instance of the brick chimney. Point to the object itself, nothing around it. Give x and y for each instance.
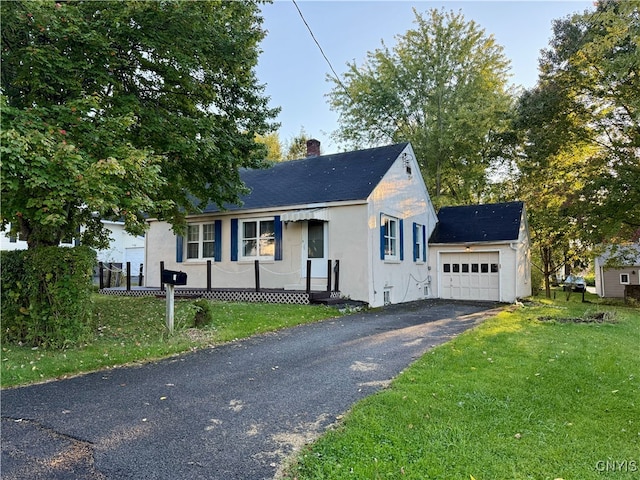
(313, 148)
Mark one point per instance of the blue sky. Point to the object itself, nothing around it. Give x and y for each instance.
(294, 70)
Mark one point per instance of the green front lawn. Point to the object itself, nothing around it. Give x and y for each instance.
(130, 329)
(544, 391)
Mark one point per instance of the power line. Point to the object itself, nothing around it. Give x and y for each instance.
(335, 74)
(321, 50)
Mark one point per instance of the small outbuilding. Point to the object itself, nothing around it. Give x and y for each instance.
(616, 268)
(481, 252)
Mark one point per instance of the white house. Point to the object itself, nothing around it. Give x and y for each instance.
(123, 247)
(616, 268)
(481, 252)
(367, 209)
(11, 242)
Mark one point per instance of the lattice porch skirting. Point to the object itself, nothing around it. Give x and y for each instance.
(228, 295)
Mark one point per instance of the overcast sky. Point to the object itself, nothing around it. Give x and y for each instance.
(294, 70)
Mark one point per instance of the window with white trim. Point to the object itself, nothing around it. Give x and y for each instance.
(201, 241)
(624, 279)
(418, 243)
(390, 228)
(257, 239)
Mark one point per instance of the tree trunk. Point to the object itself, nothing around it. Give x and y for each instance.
(547, 269)
(33, 239)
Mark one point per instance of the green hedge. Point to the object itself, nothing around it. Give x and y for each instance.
(46, 295)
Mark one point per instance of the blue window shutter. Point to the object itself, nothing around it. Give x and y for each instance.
(179, 248)
(277, 231)
(217, 254)
(415, 241)
(401, 239)
(234, 239)
(424, 243)
(381, 239)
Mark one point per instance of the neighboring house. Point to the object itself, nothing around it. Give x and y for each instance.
(367, 209)
(123, 247)
(11, 242)
(617, 268)
(481, 252)
(14, 242)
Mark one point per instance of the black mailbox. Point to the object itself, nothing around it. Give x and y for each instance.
(174, 278)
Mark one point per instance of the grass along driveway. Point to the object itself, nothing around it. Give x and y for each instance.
(130, 329)
(547, 390)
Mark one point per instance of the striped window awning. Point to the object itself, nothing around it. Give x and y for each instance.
(305, 215)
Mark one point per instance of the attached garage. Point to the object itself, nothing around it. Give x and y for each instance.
(470, 276)
(134, 255)
(481, 252)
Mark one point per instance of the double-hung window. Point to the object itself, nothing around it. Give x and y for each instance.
(201, 239)
(257, 239)
(419, 239)
(390, 238)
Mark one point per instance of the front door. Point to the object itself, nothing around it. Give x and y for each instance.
(315, 248)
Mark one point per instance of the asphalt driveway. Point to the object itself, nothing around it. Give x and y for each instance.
(235, 411)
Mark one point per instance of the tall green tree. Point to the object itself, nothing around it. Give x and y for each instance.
(578, 166)
(594, 61)
(443, 87)
(118, 109)
(273, 144)
(297, 146)
(550, 172)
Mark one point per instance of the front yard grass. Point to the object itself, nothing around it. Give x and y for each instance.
(129, 329)
(548, 390)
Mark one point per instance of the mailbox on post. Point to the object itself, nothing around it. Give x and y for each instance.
(171, 277)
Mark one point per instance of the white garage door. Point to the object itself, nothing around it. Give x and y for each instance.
(470, 276)
(135, 255)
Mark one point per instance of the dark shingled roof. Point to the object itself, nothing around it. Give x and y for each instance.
(327, 178)
(493, 222)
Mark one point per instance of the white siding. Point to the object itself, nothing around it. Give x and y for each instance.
(119, 242)
(403, 196)
(352, 235)
(285, 273)
(512, 281)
